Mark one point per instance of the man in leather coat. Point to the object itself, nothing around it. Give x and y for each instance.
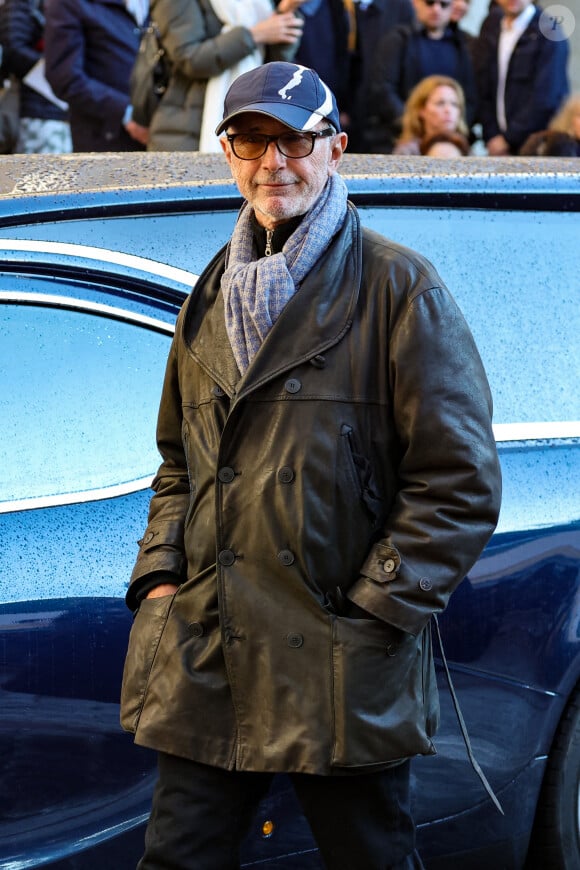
(329, 476)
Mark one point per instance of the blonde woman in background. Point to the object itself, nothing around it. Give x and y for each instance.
(435, 105)
(562, 137)
(567, 120)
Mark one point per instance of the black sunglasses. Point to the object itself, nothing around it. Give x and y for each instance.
(251, 146)
(445, 4)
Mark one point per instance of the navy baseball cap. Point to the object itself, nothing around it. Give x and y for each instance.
(289, 92)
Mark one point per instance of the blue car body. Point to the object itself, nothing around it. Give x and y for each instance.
(96, 257)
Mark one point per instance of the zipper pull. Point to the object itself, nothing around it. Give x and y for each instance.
(268, 251)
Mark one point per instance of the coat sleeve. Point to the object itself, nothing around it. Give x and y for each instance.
(485, 52)
(195, 50)
(19, 31)
(383, 100)
(65, 48)
(450, 484)
(161, 548)
(539, 89)
(468, 81)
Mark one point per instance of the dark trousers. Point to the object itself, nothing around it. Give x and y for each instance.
(200, 815)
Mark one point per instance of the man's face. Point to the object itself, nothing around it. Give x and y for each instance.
(280, 188)
(434, 15)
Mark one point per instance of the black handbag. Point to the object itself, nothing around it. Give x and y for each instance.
(149, 77)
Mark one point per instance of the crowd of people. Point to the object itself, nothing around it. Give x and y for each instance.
(407, 77)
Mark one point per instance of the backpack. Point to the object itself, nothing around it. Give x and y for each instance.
(149, 77)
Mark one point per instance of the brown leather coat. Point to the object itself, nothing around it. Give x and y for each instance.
(357, 455)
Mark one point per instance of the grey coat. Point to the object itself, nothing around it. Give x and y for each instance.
(355, 458)
(198, 50)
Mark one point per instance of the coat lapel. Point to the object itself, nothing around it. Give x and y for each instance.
(316, 317)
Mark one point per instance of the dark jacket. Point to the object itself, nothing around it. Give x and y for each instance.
(536, 84)
(372, 22)
(192, 36)
(22, 39)
(90, 51)
(355, 456)
(397, 69)
(324, 47)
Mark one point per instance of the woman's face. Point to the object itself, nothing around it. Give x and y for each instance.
(441, 112)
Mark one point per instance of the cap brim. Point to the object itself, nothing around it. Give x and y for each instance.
(294, 117)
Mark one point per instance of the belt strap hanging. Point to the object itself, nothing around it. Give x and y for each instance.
(462, 725)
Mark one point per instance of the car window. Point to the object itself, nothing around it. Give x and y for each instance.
(515, 276)
(79, 400)
(187, 241)
(513, 273)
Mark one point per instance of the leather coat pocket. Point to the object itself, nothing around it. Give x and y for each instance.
(144, 638)
(385, 693)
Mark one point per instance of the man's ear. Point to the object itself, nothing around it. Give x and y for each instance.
(226, 149)
(337, 149)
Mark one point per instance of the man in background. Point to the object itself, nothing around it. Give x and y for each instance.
(409, 53)
(90, 48)
(521, 74)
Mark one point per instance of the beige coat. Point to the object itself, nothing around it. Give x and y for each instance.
(197, 49)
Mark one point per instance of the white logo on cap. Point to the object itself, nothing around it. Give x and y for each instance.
(293, 83)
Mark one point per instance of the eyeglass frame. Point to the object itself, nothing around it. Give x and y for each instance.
(312, 134)
(444, 4)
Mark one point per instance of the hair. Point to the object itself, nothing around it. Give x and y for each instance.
(550, 143)
(458, 139)
(562, 121)
(412, 124)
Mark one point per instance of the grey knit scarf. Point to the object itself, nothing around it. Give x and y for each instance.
(256, 290)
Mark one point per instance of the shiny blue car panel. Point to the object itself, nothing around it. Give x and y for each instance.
(74, 499)
(112, 386)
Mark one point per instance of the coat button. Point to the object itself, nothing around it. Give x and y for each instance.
(217, 391)
(226, 474)
(425, 584)
(226, 557)
(285, 474)
(286, 557)
(389, 566)
(294, 640)
(196, 629)
(293, 385)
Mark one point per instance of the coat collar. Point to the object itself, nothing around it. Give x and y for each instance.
(316, 317)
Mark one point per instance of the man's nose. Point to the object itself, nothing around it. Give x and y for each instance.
(273, 158)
